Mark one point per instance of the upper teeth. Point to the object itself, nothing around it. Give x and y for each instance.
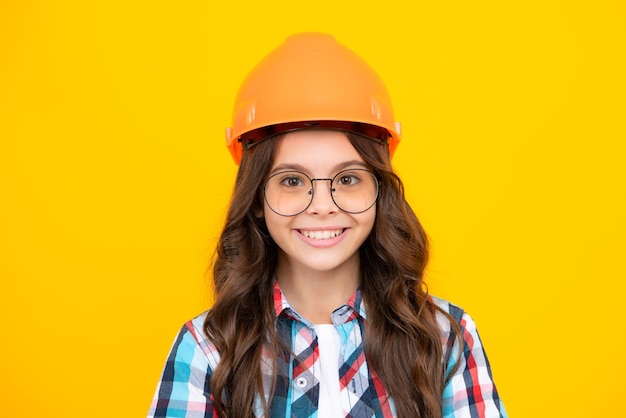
(322, 234)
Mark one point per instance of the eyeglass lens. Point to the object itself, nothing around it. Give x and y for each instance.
(290, 193)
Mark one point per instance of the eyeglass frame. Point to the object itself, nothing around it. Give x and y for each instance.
(330, 187)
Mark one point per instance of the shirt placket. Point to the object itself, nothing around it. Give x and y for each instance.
(304, 370)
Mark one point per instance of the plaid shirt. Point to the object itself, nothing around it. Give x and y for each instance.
(185, 391)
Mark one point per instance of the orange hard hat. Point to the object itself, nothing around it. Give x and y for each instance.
(311, 81)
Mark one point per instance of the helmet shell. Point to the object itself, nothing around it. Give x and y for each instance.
(311, 81)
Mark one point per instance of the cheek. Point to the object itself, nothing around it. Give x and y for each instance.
(369, 219)
(274, 223)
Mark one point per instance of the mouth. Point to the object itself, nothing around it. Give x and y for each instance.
(321, 235)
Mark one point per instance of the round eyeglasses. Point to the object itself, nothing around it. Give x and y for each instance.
(289, 193)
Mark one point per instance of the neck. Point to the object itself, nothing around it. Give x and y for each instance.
(316, 294)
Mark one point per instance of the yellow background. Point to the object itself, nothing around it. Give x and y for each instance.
(114, 181)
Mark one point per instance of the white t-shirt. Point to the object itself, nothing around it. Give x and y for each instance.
(329, 342)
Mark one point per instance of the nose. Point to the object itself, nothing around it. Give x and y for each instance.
(322, 200)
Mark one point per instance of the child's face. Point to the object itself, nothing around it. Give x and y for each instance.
(322, 237)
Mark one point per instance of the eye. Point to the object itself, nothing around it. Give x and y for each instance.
(348, 179)
(292, 181)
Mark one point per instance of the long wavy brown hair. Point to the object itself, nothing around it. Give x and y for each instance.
(402, 341)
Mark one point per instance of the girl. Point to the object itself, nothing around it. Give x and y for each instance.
(321, 309)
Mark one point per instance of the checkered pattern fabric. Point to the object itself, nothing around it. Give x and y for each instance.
(184, 389)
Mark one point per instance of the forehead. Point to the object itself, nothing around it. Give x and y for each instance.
(315, 149)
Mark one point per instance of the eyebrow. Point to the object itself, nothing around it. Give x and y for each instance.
(336, 168)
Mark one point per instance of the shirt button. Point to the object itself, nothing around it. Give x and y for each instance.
(301, 382)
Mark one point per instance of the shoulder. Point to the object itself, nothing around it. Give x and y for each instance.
(453, 320)
(192, 338)
(454, 311)
(447, 312)
(184, 388)
(195, 327)
(469, 390)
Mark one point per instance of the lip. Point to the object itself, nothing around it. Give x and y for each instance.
(322, 243)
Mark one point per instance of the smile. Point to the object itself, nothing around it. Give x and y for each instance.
(327, 234)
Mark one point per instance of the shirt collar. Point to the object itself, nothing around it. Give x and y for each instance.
(352, 309)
